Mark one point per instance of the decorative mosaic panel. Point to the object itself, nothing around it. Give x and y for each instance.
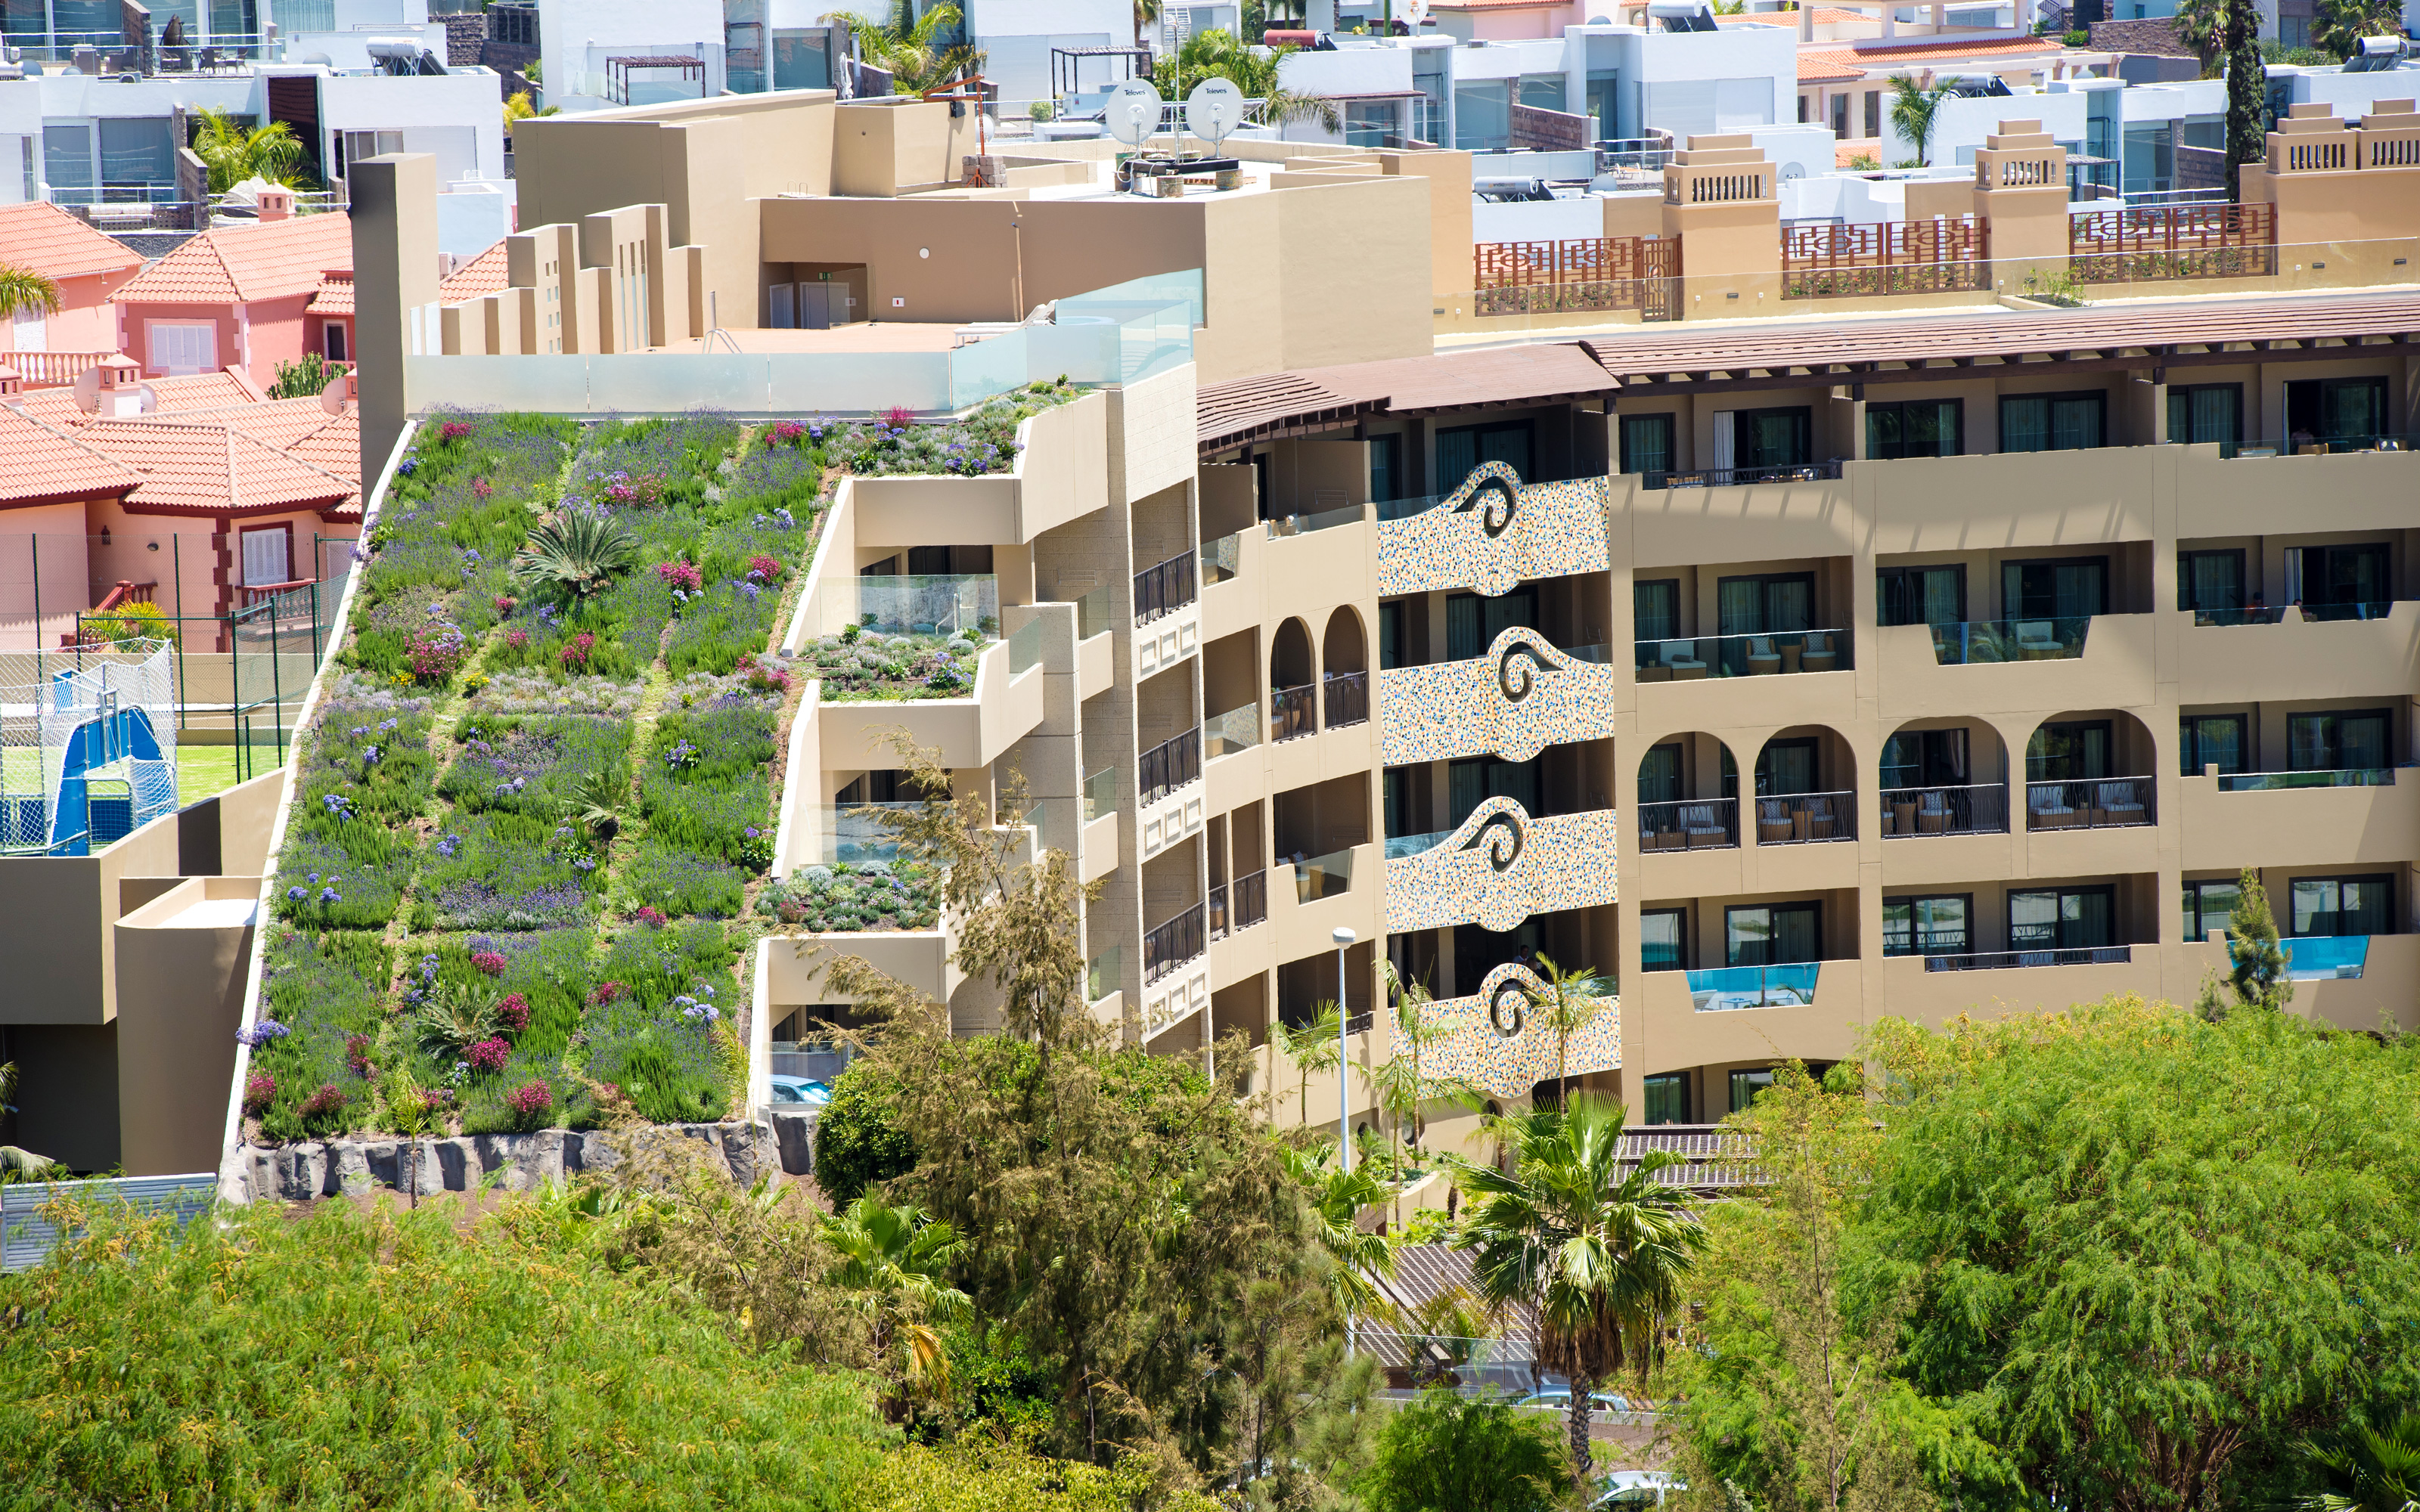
(1501, 865)
(1518, 700)
(1492, 532)
(1495, 1040)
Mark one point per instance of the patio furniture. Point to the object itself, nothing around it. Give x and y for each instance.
(1790, 658)
(1933, 813)
(1814, 822)
(2048, 810)
(1761, 657)
(1681, 656)
(2038, 639)
(1772, 827)
(2120, 804)
(1817, 656)
(1703, 829)
(1655, 671)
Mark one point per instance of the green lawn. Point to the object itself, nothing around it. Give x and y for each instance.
(205, 770)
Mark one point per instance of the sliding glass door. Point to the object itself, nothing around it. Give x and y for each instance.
(2063, 918)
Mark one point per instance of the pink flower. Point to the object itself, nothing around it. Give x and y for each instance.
(505, 603)
(452, 430)
(490, 962)
(258, 1088)
(516, 638)
(357, 1055)
(575, 651)
(481, 487)
(606, 992)
(681, 575)
(785, 433)
(513, 1012)
(899, 417)
(764, 569)
(649, 916)
(488, 1054)
(532, 1099)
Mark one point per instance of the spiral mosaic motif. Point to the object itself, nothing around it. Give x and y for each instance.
(1478, 1047)
(1514, 702)
(1500, 838)
(1492, 531)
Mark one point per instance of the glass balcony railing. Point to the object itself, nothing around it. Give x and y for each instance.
(1094, 612)
(1688, 659)
(1725, 988)
(1729, 477)
(2377, 609)
(1400, 846)
(2353, 777)
(855, 832)
(1025, 646)
(1102, 973)
(1978, 810)
(1691, 825)
(1975, 641)
(2305, 444)
(1222, 559)
(1325, 520)
(913, 605)
(1100, 793)
(1321, 877)
(2326, 957)
(2097, 804)
(1224, 735)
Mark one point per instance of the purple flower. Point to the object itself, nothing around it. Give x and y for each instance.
(330, 895)
(297, 894)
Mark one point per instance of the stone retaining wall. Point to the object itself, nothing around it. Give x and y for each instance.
(301, 1172)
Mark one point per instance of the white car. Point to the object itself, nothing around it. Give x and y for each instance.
(1638, 1488)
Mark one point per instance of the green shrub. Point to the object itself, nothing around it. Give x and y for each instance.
(1474, 1454)
(855, 1145)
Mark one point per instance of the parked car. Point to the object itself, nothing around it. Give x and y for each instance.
(1558, 1398)
(792, 1091)
(1638, 1488)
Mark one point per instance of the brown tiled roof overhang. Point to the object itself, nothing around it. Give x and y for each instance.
(1927, 349)
(1328, 399)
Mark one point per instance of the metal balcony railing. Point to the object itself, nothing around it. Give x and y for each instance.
(1294, 712)
(1169, 766)
(1164, 589)
(1727, 477)
(1691, 825)
(1806, 818)
(1172, 944)
(2093, 955)
(1348, 699)
(1981, 809)
(2102, 803)
(1239, 904)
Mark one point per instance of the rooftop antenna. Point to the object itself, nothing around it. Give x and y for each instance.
(1214, 109)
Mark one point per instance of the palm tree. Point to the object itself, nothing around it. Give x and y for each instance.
(1402, 1086)
(890, 1270)
(1599, 1253)
(22, 288)
(2368, 1470)
(1336, 1197)
(575, 553)
(1572, 1002)
(594, 804)
(1214, 52)
(1914, 112)
(232, 153)
(1317, 1047)
(2200, 24)
(1147, 13)
(2342, 23)
(906, 45)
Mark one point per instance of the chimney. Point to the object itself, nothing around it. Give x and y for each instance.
(12, 388)
(275, 204)
(120, 390)
(338, 394)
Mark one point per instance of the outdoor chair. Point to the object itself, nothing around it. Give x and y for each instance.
(1933, 813)
(1703, 829)
(1815, 820)
(2121, 803)
(1819, 657)
(1772, 822)
(2038, 639)
(2049, 807)
(1761, 657)
(1681, 656)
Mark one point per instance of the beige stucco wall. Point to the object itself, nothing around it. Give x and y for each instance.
(180, 978)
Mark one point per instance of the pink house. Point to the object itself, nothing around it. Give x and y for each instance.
(242, 297)
(49, 348)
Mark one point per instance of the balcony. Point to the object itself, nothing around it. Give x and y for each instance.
(1727, 988)
(1979, 642)
(1981, 809)
(1347, 697)
(1688, 660)
(1501, 866)
(1169, 766)
(1164, 589)
(1322, 876)
(1806, 818)
(1731, 477)
(1492, 1038)
(2319, 658)
(2090, 955)
(2326, 957)
(2355, 777)
(1490, 532)
(1691, 825)
(1239, 904)
(1523, 696)
(1294, 712)
(1172, 944)
(2122, 803)
(1236, 729)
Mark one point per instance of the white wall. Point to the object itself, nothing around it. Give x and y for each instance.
(1644, 59)
(20, 122)
(2352, 94)
(1348, 71)
(1808, 149)
(577, 36)
(1544, 220)
(349, 48)
(473, 216)
(1964, 125)
(455, 116)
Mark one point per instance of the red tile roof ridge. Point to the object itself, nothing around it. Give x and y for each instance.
(37, 235)
(240, 264)
(76, 470)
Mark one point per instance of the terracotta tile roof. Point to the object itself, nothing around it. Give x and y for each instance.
(1827, 68)
(239, 264)
(193, 466)
(1230, 413)
(336, 296)
(334, 447)
(1865, 57)
(40, 236)
(488, 273)
(198, 391)
(46, 464)
(1845, 154)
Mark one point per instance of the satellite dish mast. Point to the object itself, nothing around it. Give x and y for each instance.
(1132, 113)
(1213, 111)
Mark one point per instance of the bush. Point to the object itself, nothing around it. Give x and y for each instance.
(1474, 1454)
(855, 1145)
(256, 1362)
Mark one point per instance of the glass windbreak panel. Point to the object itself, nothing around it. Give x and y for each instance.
(1771, 936)
(1656, 609)
(2205, 412)
(1919, 427)
(1542, 91)
(1482, 114)
(2337, 742)
(1659, 774)
(2210, 582)
(2213, 739)
(1927, 926)
(1386, 468)
(1771, 437)
(2052, 422)
(2081, 919)
(1472, 623)
(1646, 444)
(801, 60)
(137, 151)
(1661, 943)
(1925, 758)
(2054, 589)
(2209, 905)
(1784, 768)
(1668, 1099)
(1464, 447)
(1765, 605)
(2070, 752)
(2343, 905)
(1921, 595)
(1746, 1085)
(2320, 410)
(67, 156)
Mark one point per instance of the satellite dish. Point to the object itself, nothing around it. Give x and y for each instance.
(1214, 108)
(1132, 113)
(1416, 13)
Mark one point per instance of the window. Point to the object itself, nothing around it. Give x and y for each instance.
(353, 146)
(1659, 774)
(137, 151)
(1367, 123)
(2210, 582)
(1773, 935)
(2074, 752)
(1840, 115)
(1395, 793)
(333, 335)
(1919, 427)
(2072, 589)
(2351, 742)
(2062, 918)
(2052, 422)
(2339, 583)
(1482, 114)
(1391, 635)
(1764, 438)
(2209, 905)
(1385, 469)
(67, 157)
(1477, 778)
(1874, 113)
(1784, 768)
(1925, 758)
(1802, 109)
(1656, 609)
(1667, 1098)
(1664, 939)
(1921, 595)
(2203, 412)
(180, 349)
(1773, 603)
(2343, 905)
(2321, 411)
(1472, 623)
(1746, 1085)
(1601, 108)
(2213, 739)
(1542, 91)
(1465, 447)
(267, 556)
(1646, 444)
(801, 60)
(1928, 926)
